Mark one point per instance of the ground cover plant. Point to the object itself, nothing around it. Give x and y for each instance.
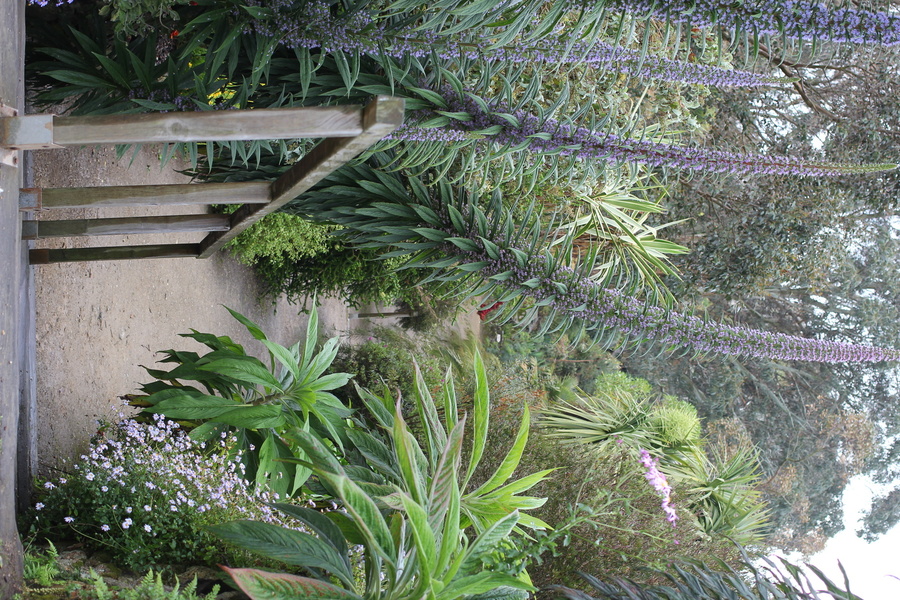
(145, 493)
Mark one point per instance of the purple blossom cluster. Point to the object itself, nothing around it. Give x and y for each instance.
(804, 19)
(555, 138)
(659, 483)
(141, 481)
(575, 295)
(314, 26)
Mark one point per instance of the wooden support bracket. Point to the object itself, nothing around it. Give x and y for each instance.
(380, 117)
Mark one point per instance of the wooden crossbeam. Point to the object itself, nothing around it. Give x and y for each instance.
(34, 230)
(46, 256)
(248, 192)
(379, 118)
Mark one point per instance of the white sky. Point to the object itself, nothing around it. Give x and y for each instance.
(869, 566)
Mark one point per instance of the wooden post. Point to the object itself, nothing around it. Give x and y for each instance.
(381, 116)
(12, 95)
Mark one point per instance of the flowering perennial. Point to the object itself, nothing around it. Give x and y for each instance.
(145, 492)
(805, 19)
(555, 138)
(578, 296)
(659, 483)
(316, 27)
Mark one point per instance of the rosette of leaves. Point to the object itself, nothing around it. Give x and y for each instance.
(721, 490)
(408, 509)
(490, 501)
(227, 389)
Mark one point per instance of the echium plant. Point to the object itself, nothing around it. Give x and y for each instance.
(803, 19)
(487, 254)
(474, 120)
(314, 25)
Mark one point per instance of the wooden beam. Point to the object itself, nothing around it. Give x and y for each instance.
(47, 256)
(247, 192)
(35, 230)
(379, 118)
(201, 126)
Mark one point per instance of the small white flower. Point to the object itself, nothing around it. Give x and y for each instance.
(128, 510)
(104, 527)
(62, 480)
(147, 508)
(39, 506)
(89, 476)
(49, 485)
(147, 528)
(104, 488)
(126, 523)
(69, 519)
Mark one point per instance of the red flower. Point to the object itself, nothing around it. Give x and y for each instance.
(486, 311)
(174, 34)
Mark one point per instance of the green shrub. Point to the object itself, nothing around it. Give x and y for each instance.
(281, 239)
(146, 493)
(137, 17)
(386, 360)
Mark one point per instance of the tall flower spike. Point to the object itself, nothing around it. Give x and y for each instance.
(316, 27)
(555, 138)
(802, 19)
(458, 241)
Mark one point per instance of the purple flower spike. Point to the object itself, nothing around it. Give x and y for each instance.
(316, 27)
(659, 483)
(554, 138)
(804, 19)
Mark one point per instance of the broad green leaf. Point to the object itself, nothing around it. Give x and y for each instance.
(284, 356)
(262, 585)
(511, 461)
(193, 407)
(480, 407)
(246, 369)
(487, 542)
(406, 448)
(249, 416)
(444, 479)
(423, 536)
(480, 583)
(319, 523)
(285, 545)
(367, 518)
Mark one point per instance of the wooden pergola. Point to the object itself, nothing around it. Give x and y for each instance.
(347, 131)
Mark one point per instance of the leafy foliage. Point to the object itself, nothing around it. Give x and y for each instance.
(233, 391)
(408, 508)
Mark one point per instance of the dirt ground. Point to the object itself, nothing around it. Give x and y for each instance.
(96, 323)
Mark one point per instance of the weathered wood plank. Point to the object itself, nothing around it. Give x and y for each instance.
(35, 230)
(46, 256)
(380, 117)
(247, 192)
(12, 62)
(254, 124)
